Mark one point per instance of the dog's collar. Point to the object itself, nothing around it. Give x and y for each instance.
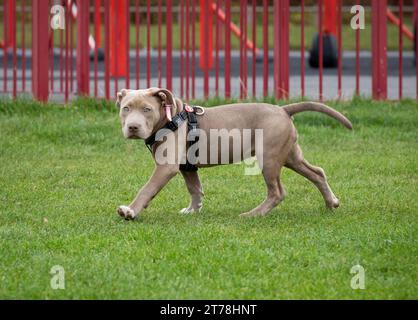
(172, 125)
(176, 122)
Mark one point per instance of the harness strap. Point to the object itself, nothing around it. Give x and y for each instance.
(189, 115)
(173, 125)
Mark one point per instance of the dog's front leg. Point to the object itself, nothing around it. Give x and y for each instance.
(160, 177)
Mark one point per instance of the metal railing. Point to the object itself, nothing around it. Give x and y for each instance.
(199, 48)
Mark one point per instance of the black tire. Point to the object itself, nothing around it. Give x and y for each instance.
(330, 52)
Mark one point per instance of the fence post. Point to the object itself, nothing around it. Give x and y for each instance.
(40, 49)
(83, 49)
(169, 45)
(11, 14)
(379, 49)
(227, 49)
(10, 20)
(281, 49)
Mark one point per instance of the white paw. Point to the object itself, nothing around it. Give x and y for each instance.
(190, 210)
(334, 204)
(127, 213)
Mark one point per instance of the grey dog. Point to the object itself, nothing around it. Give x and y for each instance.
(143, 112)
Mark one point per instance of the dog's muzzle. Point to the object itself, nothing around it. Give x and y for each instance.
(133, 131)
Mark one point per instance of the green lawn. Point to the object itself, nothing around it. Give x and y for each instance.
(65, 169)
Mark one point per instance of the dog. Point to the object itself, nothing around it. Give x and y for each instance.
(144, 112)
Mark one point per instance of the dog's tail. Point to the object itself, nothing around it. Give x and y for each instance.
(295, 108)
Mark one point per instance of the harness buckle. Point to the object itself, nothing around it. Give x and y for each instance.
(201, 112)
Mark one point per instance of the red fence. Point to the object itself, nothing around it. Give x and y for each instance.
(200, 48)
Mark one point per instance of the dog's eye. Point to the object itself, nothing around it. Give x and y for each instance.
(126, 109)
(147, 109)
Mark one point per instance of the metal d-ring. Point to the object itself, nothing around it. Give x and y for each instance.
(202, 112)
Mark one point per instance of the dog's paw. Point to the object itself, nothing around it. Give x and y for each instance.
(252, 214)
(127, 213)
(190, 210)
(334, 204)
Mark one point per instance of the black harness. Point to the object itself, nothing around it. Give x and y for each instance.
(192, 128)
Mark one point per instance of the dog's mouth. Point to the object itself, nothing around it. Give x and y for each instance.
(134, 136)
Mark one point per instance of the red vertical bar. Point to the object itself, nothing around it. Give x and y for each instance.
(169, 45)
(243, 49)
(244, 42)
(379, 49)
(40, 25)
(128, 43)
(107, 48)
(137, 43)
(330, 18)
(241, 26)
(227, 49)
(339, 40)
(5, 37)
(217, 44)
(61, 61)
(97, 24)
(83, 49)
(187, 48)
(193, 48)
(265, 47)
(12, 21)
(208, 48)
(67, 26)
(302, 49)
(118, 39)
(115, 44)
(281, 49)
(358, 59)
(400, 48)
(148, 44)
(276, 43)
(97, 37)
(51, 58)
(416, 44)
(181, 22)
(23, 8)
(71, 23)
(321, 49)
(254, 34)
(284, 48)
(159, 43)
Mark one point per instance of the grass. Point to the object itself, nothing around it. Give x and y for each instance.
(348, 34)
(65, 169)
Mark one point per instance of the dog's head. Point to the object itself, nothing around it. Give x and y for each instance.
(143, 111)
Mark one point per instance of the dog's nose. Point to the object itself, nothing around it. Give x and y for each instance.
(133, 127)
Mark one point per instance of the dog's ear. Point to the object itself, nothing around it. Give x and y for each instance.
(165, 96)
(121, 94)
(167, 100)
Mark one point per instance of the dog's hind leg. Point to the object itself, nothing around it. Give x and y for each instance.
(275, 191)
(196, 192)
(316, 175)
